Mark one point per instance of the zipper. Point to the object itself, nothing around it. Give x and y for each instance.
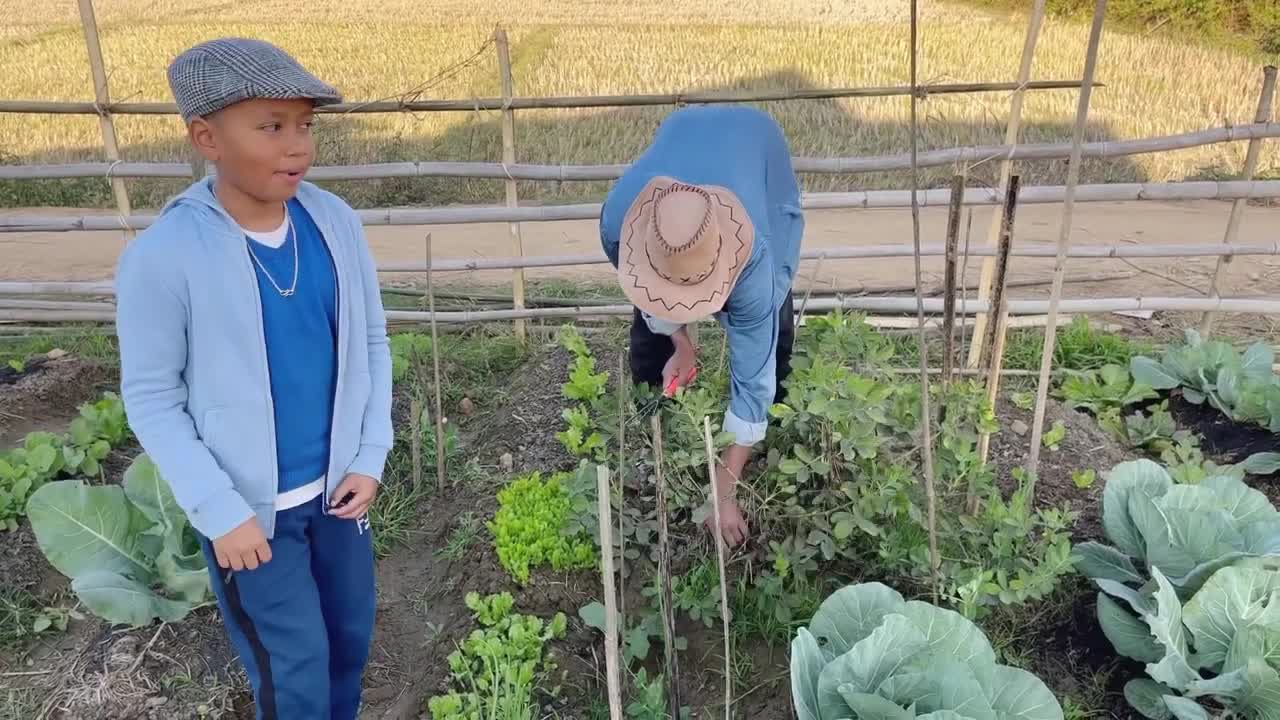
(343, 341)
(252, 276)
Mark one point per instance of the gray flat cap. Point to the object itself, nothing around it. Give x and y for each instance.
(218, 73)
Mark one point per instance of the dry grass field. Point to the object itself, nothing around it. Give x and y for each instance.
(1154, 85)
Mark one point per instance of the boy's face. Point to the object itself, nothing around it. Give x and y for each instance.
(262, 147)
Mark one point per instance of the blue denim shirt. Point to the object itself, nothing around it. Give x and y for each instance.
(744, 150)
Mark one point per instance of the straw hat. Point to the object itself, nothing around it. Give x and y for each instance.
(682, 249)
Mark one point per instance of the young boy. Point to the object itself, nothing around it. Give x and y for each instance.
(256, 373)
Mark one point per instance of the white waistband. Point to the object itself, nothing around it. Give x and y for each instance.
(300, 495)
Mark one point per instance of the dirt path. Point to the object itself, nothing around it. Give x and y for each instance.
(91, 255)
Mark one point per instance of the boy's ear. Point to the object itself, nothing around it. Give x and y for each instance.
(200, 132)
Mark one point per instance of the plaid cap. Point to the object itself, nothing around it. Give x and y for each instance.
(218, 73)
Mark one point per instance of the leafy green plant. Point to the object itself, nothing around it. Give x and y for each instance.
(1108, 387)
(1054, 436)
(1084, 479)
(1187, 531)
(1155, 432)
(1079, 346)
(582, 436)
(1242, 386)
(499, 668)
(642, 632)
(130, 553)
(529, 528)
(1227, 631)
(649, 699)
(408, 349)
(1023, 400)
(870, 653)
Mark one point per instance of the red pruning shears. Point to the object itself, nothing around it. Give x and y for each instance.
(672, 386)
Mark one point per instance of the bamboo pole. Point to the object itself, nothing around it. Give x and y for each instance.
(666, 604)
(102, 99)
(944, 157)
(804, 303)
(1012, 131)
(622, 487)
(509, 158)
(612, 669)
(1107, 192)
(47, 107)
(1259, 305)
(999, 331)
(1064, 240)
(724, 580)
(1251, 156)
(926, 413)
(949, 279)
(435, 362)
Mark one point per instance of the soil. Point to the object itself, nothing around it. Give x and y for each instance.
(1220, 436)
(187, 670)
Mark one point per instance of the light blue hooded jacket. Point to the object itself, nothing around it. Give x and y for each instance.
(194, 374)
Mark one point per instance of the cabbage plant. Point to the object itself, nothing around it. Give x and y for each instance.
(130, 553)
(868, 654)
(1187, 531)
(1214, 657)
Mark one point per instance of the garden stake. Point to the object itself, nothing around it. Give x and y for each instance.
(998, 325)
(1064, 242)
(724, 584)
(949, 280)
(612, 675)
(926, 434)
(435, 361)
(671, 663)
(813, 280)
(415, 444)
(622, 487)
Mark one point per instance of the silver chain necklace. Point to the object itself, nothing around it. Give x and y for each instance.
(288, 233)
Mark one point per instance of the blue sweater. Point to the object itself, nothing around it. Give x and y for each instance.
(301, 333)
(745, 151)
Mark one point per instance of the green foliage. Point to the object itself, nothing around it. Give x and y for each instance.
(1084, 479)
(23, 618)
(529, 528)
(1155, 432)
(1108, 388)
(130, 553)
(407, 351)
(649, 699)
(868, 653)
(1054, 436)
(643, 630)
(1227, 632)
(582, 437)
(1242, 386)
(1186, 531)
(1077, 346)
(45, 456)
(497, 670)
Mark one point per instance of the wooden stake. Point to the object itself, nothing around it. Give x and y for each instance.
(998, 332)
(612, 669)
(1011, 133)
(666, 604)
(926, 411)
(817, 268)
(720, 552)
(415, 445)
(509, 158)
(949, 279)
(1064, 240)
(622, 487)
(435, 370)
(1251, 156)
(102, 100)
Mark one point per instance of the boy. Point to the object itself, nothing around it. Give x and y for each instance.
(256, 373)
(707, 221)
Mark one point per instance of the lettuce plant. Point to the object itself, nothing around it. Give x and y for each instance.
(1220, 648)
(1187, 531)
(130, 553)
(868, 653)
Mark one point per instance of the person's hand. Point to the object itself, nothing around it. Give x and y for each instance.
(244, 548)
(733, 526)
(680, 369)
(362, 489)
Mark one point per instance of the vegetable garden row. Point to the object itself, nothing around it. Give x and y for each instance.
(1186, 564)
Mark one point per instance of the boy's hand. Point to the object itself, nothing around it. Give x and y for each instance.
(244, 548)
(362, 489)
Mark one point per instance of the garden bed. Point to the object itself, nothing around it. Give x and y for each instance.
(441, 550)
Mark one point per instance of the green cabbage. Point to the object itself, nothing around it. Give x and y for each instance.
(870, 655)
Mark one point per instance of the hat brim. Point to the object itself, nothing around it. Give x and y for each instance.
(670, 301)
